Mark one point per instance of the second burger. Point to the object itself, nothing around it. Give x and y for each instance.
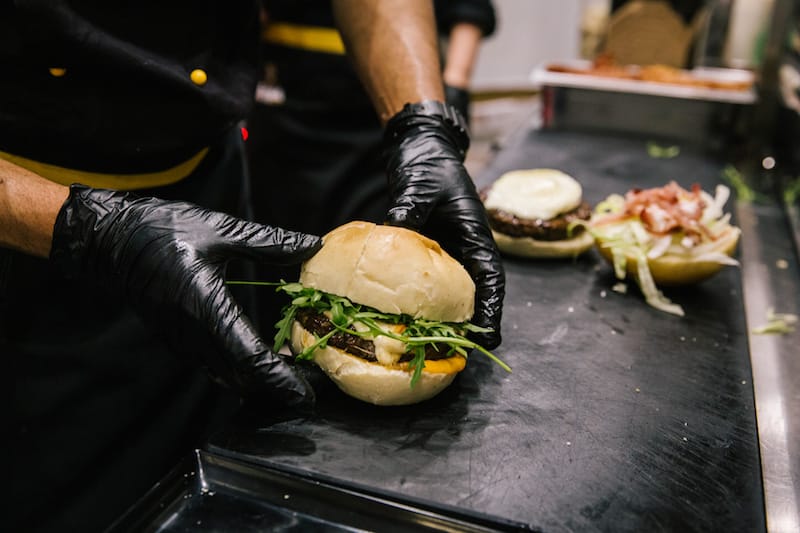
(538, 213)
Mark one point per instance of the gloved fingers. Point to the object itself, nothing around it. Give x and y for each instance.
(271, 244)
(460, 227)
(216, 330)
(416, 192)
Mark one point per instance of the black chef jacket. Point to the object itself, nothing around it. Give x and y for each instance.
(114, 79)
(99, 409)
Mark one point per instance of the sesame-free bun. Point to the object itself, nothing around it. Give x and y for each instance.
(530, 210)
(673, 269)
(375, 383)
(530, 247)
(396, 271)
(393, 270)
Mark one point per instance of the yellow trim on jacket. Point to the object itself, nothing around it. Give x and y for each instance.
(313, 38)
(67, 176)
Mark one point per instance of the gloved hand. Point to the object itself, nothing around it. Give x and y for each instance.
(167, 260)
(431, 192)
(458, 97)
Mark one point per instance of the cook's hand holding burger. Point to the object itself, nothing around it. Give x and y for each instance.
(383, 310)
(432, 192)
(167, 260)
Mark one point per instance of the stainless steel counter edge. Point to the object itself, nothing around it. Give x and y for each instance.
(771, 280)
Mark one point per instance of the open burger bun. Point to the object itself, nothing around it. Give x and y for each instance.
(530, 247)
(372, 382)
(530, 210)
(673, 269)
(394, 270)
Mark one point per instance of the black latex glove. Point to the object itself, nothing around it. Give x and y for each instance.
(167, 260)
(431, 192)
(458, 97)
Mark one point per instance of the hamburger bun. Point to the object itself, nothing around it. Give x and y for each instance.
(672, 269)
(530, 247)
(395, 271)
(391, 269)
(376, 383)
(531, 213)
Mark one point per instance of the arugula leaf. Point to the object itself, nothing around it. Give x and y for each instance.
(416, 334)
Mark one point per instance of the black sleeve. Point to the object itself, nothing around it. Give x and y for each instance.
(478, 12)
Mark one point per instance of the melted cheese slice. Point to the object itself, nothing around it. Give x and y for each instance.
(542, 193)
(388, 352)
(445, 366)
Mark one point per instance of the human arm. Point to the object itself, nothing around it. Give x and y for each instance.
(393, 46)
(464, 23)
(167, 261)
(29, 205)
(462, 51)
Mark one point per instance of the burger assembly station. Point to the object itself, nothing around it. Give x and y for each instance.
(649, 375)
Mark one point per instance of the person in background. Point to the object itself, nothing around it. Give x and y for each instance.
(314, 126)
(122, 190)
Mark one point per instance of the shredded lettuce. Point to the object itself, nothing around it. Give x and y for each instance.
(629, 238)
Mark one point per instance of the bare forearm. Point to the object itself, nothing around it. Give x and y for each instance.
(462, 51)
(29, 205)
(393, 46)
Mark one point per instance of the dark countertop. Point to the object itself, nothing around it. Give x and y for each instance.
(617, 417)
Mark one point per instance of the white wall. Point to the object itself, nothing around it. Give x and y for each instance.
(529, 32)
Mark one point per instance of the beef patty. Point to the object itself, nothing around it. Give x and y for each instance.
(320, 325)
(554, 229)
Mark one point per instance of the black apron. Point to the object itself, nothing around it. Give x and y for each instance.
(100, 409)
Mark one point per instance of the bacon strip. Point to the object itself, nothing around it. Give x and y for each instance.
(664, 210)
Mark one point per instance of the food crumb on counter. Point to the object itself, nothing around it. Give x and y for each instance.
(782, 264)
(620, 288)
(570, 309)
(779, 323)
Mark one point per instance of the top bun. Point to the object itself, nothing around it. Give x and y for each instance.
(393, 270)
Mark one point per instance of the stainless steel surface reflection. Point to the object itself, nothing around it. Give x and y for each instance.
(770, 282)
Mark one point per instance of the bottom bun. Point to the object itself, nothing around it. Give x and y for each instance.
(530, 247)
(675, 270)
(372, 382)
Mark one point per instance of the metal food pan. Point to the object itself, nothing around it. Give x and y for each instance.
(707, 117)
(208, 492)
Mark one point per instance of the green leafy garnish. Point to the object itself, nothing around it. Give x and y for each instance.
(657, 151)
(777, 323)
(344, 314)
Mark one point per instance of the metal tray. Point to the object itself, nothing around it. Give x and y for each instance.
(542, 76)
(208, 492)
(711, 118)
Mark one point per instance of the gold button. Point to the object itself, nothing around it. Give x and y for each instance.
(199, 76)
(57, 72)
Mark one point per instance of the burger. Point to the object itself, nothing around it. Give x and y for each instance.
(383, 311)
(538, 213)
(665, 236)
